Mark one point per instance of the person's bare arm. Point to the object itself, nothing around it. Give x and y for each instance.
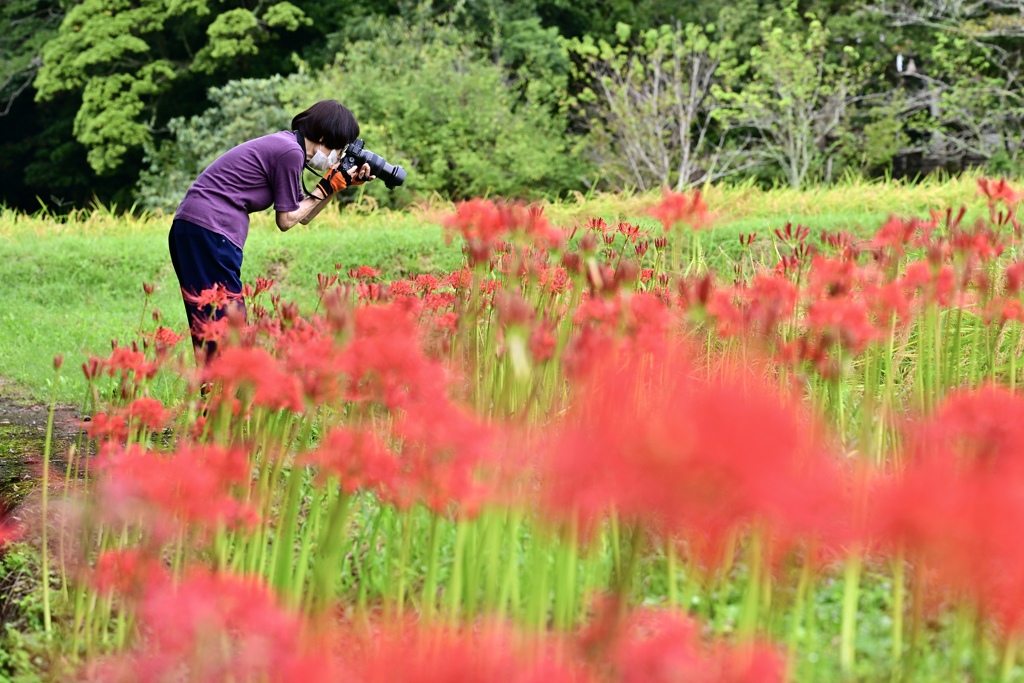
(316, 209)
(289, 219)
(305, 213)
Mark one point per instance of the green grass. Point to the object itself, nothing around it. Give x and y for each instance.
(73, 284)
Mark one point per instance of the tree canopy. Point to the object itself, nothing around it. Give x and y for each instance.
(97, 96)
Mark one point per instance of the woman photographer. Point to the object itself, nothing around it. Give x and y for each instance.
(212, 222)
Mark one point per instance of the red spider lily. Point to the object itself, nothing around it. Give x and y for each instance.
(324, 282)
(9, 531)
(444, 448)
(262, 285)
(554, 280)
(364, 273)
(999, 192)
(662, 448)
(214, 298)
(460, 279)
(663, 647)
(831, 277)
(438, 301)
(210, 330)
(894, 236)
(631, 232)
(542, 343)
(193, 485)
(127, 572)
(957, 508)
(214, 628)
(678, 207)
(165, 338)
(384, 362)
(316, 361)
(254, 368)
(790, 235)
(843, 319)
(132, 361)
(493, 652)
(885, 301)
(1014, 277)
(982, 242)
(92, 367)
(106, 427)
(148, 413)
(757, 309)
(1002, 310)
(483, 223)
(937, 284)
(357, 457)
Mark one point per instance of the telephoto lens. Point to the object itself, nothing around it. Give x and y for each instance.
(355, 155)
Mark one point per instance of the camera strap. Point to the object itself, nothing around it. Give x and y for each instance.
(302, 145)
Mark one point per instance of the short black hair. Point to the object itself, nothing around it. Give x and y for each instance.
(327, 121)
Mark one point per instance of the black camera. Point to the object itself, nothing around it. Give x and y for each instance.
(356, 156)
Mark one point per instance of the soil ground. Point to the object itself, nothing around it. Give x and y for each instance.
(23, 438)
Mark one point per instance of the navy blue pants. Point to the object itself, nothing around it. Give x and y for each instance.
(201, 259)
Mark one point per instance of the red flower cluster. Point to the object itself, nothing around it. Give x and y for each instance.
(212, 628)
(649, 439)
(193, 486)
(679, 207)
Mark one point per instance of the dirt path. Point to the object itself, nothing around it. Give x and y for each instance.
(22, 440)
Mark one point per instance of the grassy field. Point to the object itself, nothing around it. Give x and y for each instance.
(839, 610)
(74, 284)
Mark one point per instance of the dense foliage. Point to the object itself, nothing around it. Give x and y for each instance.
(125, 101)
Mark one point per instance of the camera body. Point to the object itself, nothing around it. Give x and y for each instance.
(356, 156)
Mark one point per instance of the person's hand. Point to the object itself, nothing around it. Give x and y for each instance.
(333, 181)
(360, 175)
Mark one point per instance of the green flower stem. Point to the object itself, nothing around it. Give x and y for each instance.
(509, 593)
(848, 627)
(364, 574)
(455, 588)
(898, 607)
(540, 582)
(428, 598)
(752, 597)
(403, 562)
(671, 571)
(310, 530)
(330, 544)
(44, 512)
(1009, 658)
(284, 545)
(799, 609)
(566, 561)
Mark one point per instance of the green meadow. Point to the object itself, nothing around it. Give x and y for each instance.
(73, 283)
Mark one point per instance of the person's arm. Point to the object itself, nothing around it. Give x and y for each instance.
(308, 207)
(329, 186)
(320, 204)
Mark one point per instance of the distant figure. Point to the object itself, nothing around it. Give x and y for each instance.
(905, 67)
(212, 222)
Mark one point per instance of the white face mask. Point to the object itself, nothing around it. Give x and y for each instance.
(322, 162)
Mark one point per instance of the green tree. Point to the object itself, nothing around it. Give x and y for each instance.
(649, 106)
(123, 55)
(427, 99)
(794, 99)
(30, 24)
(424, 98)
(242, 110)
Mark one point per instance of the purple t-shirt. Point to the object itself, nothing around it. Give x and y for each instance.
(251, 177)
